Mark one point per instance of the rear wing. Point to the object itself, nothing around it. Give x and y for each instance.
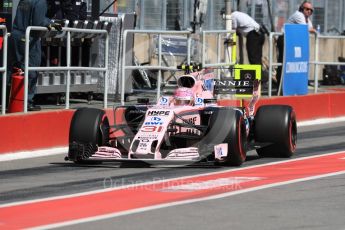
(243, 84)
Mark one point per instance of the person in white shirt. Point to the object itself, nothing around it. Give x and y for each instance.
(301, 16)
(249, 28)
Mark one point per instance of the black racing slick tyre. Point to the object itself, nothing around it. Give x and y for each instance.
(89, 129)
(276, 125)
(226, 125)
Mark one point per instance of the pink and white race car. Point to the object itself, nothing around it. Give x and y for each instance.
(188, 127)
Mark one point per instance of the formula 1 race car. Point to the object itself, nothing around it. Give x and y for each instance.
(187, 127)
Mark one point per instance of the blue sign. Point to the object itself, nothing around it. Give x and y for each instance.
(296, 59)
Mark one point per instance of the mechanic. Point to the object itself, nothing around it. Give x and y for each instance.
(29, 13)
(183, 96)
(301, 16)
(255, 34)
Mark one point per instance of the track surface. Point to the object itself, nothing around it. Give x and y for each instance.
(310, 204)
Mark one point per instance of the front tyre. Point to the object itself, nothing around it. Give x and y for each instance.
(226, 125)
(276, 124)
(89, 129)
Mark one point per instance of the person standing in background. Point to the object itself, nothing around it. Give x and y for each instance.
(301, 16)
(249, 28)
(29, 13)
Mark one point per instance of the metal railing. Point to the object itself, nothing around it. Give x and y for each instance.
(271, 48)
(158, 67)
(316, 61)
(3, 69)
(68, 66)
(218, 63)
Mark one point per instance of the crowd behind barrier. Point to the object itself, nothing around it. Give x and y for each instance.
(86, 30)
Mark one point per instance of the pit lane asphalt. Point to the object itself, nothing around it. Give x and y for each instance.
(316, 204)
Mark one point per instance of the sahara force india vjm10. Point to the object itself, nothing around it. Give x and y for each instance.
(188, 127)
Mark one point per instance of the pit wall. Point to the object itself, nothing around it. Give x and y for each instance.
(47, 129)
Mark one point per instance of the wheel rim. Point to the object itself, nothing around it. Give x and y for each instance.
(104, 130)
(241, 138)
(292, 133)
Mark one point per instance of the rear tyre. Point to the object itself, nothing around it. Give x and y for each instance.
(89, 129)
(227, 125)
(276, 124)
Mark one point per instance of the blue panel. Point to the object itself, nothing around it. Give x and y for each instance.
(296, 59)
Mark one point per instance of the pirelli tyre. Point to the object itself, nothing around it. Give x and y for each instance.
(89, 129)
(226, 125)
(276, 125)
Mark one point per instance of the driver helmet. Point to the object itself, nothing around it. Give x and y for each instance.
(184, 96)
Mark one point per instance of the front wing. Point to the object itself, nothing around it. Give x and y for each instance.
(180, 155)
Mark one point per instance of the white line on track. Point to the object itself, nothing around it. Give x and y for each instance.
(167, 205)
(321, 121)
(161, 181)
(32, 154)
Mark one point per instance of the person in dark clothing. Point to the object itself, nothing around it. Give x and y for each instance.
(29, 13)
